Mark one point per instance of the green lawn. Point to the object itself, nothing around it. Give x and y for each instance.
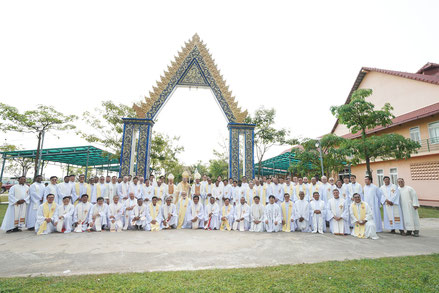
(399, 274)
(3, 208)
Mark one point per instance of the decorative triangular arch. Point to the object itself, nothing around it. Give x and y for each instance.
(193, 66)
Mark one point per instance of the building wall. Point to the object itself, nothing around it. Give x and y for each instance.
(405, 95)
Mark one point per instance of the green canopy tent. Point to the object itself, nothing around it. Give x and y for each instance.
(84, 156)
(277, 165)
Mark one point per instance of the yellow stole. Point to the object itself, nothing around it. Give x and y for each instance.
(182, 212)
(287, 218)
(153, 211)
(359, 229)
(47, 213)
(298, 189)
(264, 194)
(310, 189)
(226, 222)
(88, 188)
(98, 190)
(171, 188)
(288, 189)
(159, 194)
(197, 190)
(207, 192)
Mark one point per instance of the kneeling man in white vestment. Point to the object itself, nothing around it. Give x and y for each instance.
(80, 216)
(139, 215)
(257, 215)
(64, 221)
(115, 215)
(211, 215)
(272, 216)
(301, 213)
(226, 215)
(317, 210)
(97, 219)
(169, 214)
(242, 216)
(362, 219)
(197, 213)
(46, 216)
(154, 219)
(337, 213)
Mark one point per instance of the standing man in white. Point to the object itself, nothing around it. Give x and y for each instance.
(15, 216)
(372, 195)
(390, 200)
(409, 205)
(36, 193)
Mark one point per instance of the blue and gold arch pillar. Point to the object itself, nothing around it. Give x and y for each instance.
(235, 131)
(135, 155)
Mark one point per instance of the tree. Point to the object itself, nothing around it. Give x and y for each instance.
(360, 115)
(39, 121)
(333, 157)
(17, 166)
(218, 166)
(266, 135)
(164, 151)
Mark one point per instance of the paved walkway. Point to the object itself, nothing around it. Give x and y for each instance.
(24, 254)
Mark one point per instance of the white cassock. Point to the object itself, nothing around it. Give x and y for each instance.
(112, 191)
(393, 218)
(318, 223)
(409, 200)
(217, 193)
(50, 227)
(64, 221)
(265, 191)
(250, 194)
(372, 195)
(227, 192)
(213, 221)
(301, 210)
(338, 208)
(278, 192)
(315, 188)
(272, 214)
(129, 205)
(360, 212)
(326, 192)
(289, 189)
(166, 211)
(184, 213)
(257, 214)
(16, 214)
(123, 190)
(207, 190)
(242, 217)
(99, 212)
(136, 189)
(141, 212)
(115, 217)
(154, 213)
(196, 189)
(36, 192)
(236, 194)
(65, 189)
(287, 210)
(228, 213)
(80, 216)
(355, 188)
(99, 190)
(197, 210)
(53, 189)
(79, 189)
(298, 188)
(147, 193)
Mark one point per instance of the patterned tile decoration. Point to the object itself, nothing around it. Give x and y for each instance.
(234, 154)
(249, 155)
(141, 149)
(125, 157)
(425, 170)
(193, 76)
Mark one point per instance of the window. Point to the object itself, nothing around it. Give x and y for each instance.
(380, 175)
(433, 131)
(393, 175)
(415, 134)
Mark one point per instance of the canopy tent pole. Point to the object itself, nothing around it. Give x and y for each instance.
(68, 169)
(3, 167)
(86, 164)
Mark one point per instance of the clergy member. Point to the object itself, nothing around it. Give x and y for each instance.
(184, 212)
(15, 217)
(372, 195)
(139, 215)
(409, 206)
(211, 215)
(362, 219)
(36, 193)
(171, 188)
(64, 220)
(242, 216)
(66, 189)
(80, 188)
(196, 186)
(46, 216)
(302, 213)
(97, 219)
(80, 216)
(257, 215)
(53, 188)
(337, 214)
(390, 199)
(287, 210)
(155, 216)
(272, 216)
(197, 213)
(355, 187)
(123, 189)
(115, 214)
(169, 214)
(226, 216)
(183, 186)
(129, 206)
(317, 210)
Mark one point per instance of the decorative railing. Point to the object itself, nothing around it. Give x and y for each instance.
(429, 145)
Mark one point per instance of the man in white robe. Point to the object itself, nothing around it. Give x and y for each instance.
(97, 218)
(242, 216)
(390, 199)
(272, 216)
(112, 189)
(123, 189)
(52, 188)
(372, 195)
(211, 215)
(314, 186)
(169, 214)
(36, 193)
(80, 188)
(18, 197)
(362, 219)
(287, 209)
(207, 193)
(46, 216)
(184, 220)
(337, 214)
(325, 189)
(236, 193)
(288, 187)
(277, 191)
(257, 215)
(80, 216)
(196, 186)
(100, 190)
(301, 186)
(183, 186)
(226, 216)
(147, 192)
(251, 192)
(301, 213)
(409, 206)
(139, 215)
(129, 206)
(217, 193)
(64, 220)
(160, 191)
(65, 189)
(115, 215)
(317, 211)
(197, 213)
(154, 219)
(355, 187)
(171, 188)
(227, 190)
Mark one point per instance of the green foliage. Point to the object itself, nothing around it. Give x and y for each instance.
(396, 274)
(360, 115)
(309, 164)
(164, 151)
(219, 165)
(16, 166)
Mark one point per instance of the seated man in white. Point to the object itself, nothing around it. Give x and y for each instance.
(287, 209)
(138, 217)
(97, 219)
(169, 214)
(337, 213)
(197, 213)
(115, 215)
(80, 216)
(211, 215)
(242, 216)
(226, 216)
(154, 219)
(46, 215)
(301, 213)
(317, 210)
(129, 206)
(272, 216)
(362, 219)
(64, 221)
(184, 212)
(257, 215)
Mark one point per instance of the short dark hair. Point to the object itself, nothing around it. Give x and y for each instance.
(386, 177)
(352, 175)
(53, 177)
(368, 177)
(99, 198)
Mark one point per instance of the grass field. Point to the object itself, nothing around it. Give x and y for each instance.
(400, 274)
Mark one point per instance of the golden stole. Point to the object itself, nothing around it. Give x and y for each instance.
(359, 229)
(47, 213)
(182, 212)
(287, 218)
(225, 223)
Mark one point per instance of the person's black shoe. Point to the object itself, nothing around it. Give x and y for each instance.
(10, 231)
(16, 229)
(416, 233)
(392, 231)
(408, 233)
(402, 232)
(31, 229)
(140, 227)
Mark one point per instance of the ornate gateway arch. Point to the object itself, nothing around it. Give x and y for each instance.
(193, 66)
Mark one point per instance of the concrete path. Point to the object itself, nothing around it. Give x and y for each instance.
(24, 254)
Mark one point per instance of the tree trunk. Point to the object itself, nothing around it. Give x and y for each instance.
(259, 168)
(37, 157)
(366, 155)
